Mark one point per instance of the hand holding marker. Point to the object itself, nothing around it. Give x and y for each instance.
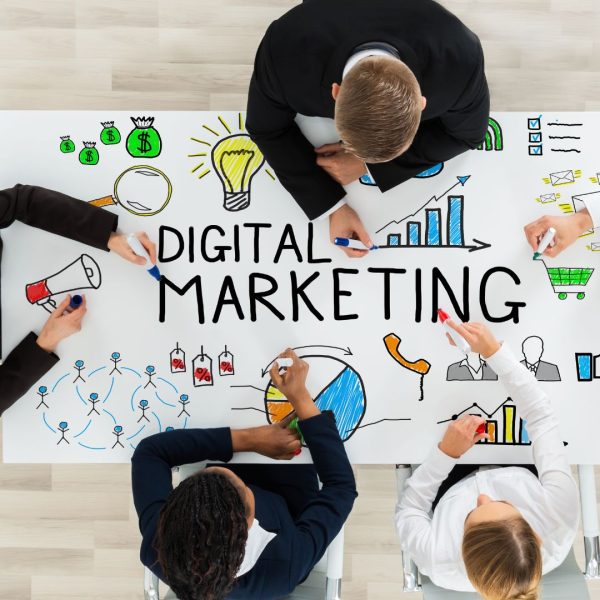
(458, 340)
(136, 246)
(291, 421)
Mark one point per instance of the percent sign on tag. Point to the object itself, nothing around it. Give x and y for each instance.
(202, 369)
(226, 363)
(178, 360)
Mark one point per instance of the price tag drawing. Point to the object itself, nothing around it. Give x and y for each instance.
(178, 364)
(202, 369)
(226, 363)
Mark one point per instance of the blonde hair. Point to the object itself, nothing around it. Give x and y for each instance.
(503, 559)
(378, 109)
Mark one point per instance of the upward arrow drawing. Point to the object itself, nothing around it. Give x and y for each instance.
(461, 180)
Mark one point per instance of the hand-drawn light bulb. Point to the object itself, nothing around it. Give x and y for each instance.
(236, 160)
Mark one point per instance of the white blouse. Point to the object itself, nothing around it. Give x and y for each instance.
(550, 503)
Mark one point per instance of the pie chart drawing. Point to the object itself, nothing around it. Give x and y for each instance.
(335, 386)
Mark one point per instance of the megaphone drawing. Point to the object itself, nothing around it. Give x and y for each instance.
(82, 274)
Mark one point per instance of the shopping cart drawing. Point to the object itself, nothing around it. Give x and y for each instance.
(569, 280)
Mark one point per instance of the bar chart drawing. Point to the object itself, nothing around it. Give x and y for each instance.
(503, 425)
(425, 227)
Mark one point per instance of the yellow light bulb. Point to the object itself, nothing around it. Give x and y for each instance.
(236, 160)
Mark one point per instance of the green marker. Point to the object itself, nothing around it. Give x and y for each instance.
(293, 424)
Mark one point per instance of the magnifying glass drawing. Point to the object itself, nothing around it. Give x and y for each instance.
(141, 190)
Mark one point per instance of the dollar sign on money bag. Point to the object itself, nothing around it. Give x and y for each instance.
(89, 155)
(66, 145)
(110, 134)
(144, 141)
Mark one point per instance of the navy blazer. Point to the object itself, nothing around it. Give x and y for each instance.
(304, 52)
(299, 544)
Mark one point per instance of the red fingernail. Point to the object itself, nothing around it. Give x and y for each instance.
(298, 452)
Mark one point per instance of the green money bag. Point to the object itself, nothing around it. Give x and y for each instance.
(89, 155)
(66, 145)
(110, 134)
(144, 141)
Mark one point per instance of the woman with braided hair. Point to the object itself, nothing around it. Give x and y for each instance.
(491, 529)
(243, 531)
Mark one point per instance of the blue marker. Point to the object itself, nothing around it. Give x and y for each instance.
(136, 246)
(76, 301)
(350, 243)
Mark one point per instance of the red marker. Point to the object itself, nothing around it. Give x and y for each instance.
(480, 429)
(458, 339)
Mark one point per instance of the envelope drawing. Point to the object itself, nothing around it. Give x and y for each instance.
(535, 137)
(535, 150)
(547, 198)
(535, 123)
(562, 177)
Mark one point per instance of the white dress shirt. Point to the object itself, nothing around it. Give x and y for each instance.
(549, 504)
(258, 539)
(351, 62)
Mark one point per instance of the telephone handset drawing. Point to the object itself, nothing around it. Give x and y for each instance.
(392, 343)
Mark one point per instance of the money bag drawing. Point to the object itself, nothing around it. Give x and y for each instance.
(144, 140)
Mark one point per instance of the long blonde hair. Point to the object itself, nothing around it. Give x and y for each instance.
(503, 559)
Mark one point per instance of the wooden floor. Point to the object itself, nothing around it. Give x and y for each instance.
(69, 532)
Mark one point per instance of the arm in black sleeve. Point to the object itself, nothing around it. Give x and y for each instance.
(57, 213)
(323, 517)
(270, 123)
(462, 128)
(21, 369)
(151, 466)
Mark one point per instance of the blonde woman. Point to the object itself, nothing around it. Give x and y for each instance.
(497, 530)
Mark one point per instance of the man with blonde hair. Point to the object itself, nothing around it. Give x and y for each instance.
(404, 81)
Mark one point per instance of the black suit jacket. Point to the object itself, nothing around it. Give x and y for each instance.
(65, 216)
(300, 542)
(304, 52)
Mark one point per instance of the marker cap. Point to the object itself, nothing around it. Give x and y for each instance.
(154, 272)
(76, 301)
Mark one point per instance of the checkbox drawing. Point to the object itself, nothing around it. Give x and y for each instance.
(535, 137)
(535, 150)
(534, 123)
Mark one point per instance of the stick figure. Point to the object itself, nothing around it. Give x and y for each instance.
(116, 358)
(63, 426)
(42, 393)
(184, 401)
(94, 400)
(118, 431)
(144, 406)
(80, 366)
(150, 371)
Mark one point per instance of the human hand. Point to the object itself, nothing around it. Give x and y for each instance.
(117, 243)
(292, 384)
(60, 325)
(345, 222)
(339, 164)
(568, 229)
(462, 435)
(478, 336)
(276, 441)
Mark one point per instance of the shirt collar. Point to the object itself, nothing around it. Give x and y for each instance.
(258, 539)
(358, 56)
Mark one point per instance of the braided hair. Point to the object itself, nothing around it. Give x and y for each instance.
(201, 537)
